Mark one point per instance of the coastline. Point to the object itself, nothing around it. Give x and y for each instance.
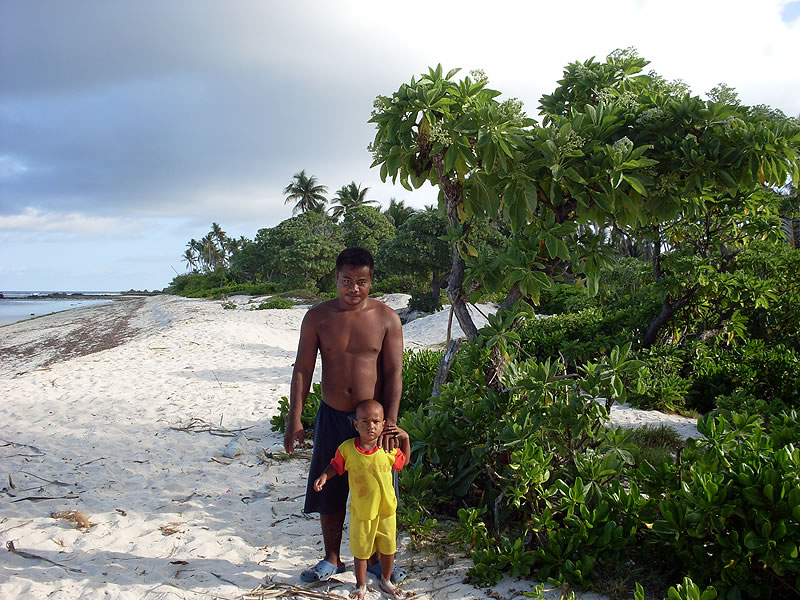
(160, 435)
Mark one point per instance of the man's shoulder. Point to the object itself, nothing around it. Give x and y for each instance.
(382, 309)
(322, 308)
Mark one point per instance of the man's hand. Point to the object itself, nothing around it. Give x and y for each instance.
(294, 434)
(389, 440)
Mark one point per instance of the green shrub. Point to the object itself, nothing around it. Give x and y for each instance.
(661, 385)
(423, 301)
(656, 444)
(578, 337)
(732, 516)
(397, 284)
(419, 370)
(278, 422)
(762, 377)
(275, 302)
(563, 299)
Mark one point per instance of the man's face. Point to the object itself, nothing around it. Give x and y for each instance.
(353, 284)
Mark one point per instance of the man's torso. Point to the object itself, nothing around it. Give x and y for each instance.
(350, 343)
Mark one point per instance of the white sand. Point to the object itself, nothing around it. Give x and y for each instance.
(173, 516)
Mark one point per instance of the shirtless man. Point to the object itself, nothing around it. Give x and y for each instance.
(361, 343)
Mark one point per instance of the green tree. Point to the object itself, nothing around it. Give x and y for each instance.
(614, 146)
(398, 212)
(365, 226)
(306, 193)
(348, 197)
(419, 248)
(301, 249)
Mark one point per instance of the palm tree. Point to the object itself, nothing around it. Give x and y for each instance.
(306, 193)
(349, 196)
(398, 212)
(190, 258)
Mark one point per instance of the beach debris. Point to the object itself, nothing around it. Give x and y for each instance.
(236, 447)
(11, 548)
(198, 425)
(122, 512)
(69, 496)
(75, 516)
(288, 590)
(54, 482)
(171, 528)
(35, 451)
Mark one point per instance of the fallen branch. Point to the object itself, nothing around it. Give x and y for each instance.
(40, 498)
(197, 425)
(10, 547)
(18, 445)
(47, 480)
(286, 590)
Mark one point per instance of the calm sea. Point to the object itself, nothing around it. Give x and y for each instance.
(18, 306)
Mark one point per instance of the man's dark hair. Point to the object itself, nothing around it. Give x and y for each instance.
(355, 257)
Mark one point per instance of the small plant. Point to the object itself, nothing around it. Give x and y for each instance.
(229, 305)
(278, 422)
(423, 301)
(275, 302)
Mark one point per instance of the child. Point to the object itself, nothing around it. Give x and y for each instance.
(372, 498)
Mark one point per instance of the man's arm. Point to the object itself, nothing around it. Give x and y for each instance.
(303, 371)
(392, 377)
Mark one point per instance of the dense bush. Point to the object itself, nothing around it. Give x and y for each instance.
(423, 301)
(275, 302)
(215, 285)
(542, 488)
(564, 298)
(731, 516)
(579, 337)
(395, 284)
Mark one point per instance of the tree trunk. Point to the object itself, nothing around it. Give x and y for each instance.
(452, 193)
(514, 294)
(444, 366)
(457, 298)
(436, 287)
(668, 309)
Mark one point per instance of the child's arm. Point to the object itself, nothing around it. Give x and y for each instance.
(405, 443)
(320, 481)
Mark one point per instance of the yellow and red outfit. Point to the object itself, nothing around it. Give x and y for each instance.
(373, 503)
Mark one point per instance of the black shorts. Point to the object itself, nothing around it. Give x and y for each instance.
(331, 428)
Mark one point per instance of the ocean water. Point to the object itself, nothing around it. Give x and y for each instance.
(18, 305)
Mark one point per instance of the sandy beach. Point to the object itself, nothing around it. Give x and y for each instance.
(151, 417)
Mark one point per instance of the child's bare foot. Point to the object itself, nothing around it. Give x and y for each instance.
(360, 592)
(392, 590)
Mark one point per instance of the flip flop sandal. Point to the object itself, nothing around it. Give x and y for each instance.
(398, 573)
(322, 571)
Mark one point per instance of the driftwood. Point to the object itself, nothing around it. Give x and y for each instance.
(286, 590)
(69, 496)
(10, 547)
(34, 449)
(197, 425)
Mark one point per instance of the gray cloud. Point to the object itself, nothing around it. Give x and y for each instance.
(114, 115)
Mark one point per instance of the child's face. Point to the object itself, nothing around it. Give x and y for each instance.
(369, 422)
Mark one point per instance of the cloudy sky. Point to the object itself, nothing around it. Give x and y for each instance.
(128, 127)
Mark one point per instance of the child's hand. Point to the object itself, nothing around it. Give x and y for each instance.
(319, 482)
